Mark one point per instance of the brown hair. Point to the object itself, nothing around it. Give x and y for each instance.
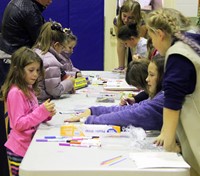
(137, 73)
(50, 32)
(133, 7)
(20, 59)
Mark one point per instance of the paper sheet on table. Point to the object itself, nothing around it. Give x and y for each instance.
(158, 160)
(118, 84)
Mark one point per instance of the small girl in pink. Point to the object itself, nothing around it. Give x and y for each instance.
(24, 112)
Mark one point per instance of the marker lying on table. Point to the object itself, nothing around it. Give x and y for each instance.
(74, 145)
(117, 161)
(51, 140)
(65, 139)
(67, 112)
(111, 160)
(71, 138)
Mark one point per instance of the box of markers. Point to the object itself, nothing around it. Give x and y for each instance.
(87, 129)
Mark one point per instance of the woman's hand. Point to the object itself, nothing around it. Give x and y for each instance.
(50, 106)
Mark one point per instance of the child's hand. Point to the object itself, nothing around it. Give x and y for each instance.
(159, 141)
(73, 81)
(50, 106)
(73, 91)
(136, 57)
(78, 117)
(127, 100)
(72, 78)
(79, 74)
(172, 147)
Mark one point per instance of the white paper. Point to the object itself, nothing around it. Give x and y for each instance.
(118, 84)
(144, 3)
(158, 160)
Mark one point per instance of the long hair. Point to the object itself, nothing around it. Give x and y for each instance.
(134, 8)
(173, 23)
(50, 33)
(137, 73)
(158, 60)
(16, 75)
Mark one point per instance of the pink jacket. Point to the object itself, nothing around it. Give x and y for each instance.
(24, 116)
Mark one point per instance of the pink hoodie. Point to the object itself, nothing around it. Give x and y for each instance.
(24, 117)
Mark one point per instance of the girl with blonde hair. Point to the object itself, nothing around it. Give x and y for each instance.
(181, 84)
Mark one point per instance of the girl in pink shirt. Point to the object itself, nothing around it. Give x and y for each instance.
(19, 92)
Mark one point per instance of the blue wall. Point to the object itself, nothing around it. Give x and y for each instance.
(3, 4)
(86, 20)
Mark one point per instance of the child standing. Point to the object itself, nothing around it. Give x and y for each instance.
(130, 12)
(66, 54)
(181, 84)
(51, 42)
(24, 113)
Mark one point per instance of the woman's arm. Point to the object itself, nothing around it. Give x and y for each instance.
(121, 51)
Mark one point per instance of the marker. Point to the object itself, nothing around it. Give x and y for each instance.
(73, 145)
(50, 140)
(111, 160)
(71, 138)
(55, 137)
(125, 99)
(67, 112)
(117, 161)
(74, 142)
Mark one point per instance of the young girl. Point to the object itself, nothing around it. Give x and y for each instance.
(146, 114)
(181, 84)
(24, 112)
(65, 55)
(51, 42)
(136, 74)
(130, 12)
(129, 37)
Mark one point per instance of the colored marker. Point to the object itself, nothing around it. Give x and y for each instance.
(55, 137)
(117, 161)
(73, 145)
(50, 140)
(111, 160)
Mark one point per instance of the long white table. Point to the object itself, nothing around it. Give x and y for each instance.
(50, 159)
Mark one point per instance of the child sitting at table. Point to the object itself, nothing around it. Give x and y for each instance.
(50, 43)
(24, 113)
(137, 71)
(66, 54)
(146, 114)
